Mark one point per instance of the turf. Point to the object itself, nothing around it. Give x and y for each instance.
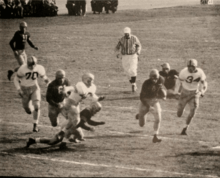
(121, 147)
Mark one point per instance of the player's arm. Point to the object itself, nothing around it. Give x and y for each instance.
(11, 43)
(17, 84)
(31, 43)
(43, 75)
(203, 86)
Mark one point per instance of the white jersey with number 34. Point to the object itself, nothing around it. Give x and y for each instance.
(29, 77)
(190, 81)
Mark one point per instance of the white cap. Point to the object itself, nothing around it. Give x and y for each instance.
(87, 75)
(127, 30)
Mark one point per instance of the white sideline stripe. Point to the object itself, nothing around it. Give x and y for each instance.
(110, 166)
(166, 138)
(121, 133)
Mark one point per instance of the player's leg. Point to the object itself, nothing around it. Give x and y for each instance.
(126, 65)
(26, 98)
(53, 113)
(143, 110)
(49, 141)
(184, 98)
(157, 116)
(36, 98)
(193, 104)
(21, 58)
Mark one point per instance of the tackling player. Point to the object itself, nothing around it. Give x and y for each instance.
(18, 43)
(171, 81)
(194, 86)
(29, 89)
(85, 115)
(152, 90)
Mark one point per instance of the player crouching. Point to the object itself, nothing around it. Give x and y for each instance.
(85, 116)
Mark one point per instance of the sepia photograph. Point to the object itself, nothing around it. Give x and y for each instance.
(110, 88)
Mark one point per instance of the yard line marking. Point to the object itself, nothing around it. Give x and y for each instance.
(124, 133)
(109, 166)
(166, 138)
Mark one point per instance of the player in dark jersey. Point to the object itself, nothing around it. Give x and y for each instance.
(85, 116)
(152, 90)
(18, 43)
(55, 97)
(171, 81)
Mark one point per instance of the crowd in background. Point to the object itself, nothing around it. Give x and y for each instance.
(27, 8)
(78, 7)
(42, 8)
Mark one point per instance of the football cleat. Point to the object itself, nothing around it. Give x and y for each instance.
(184, 131)
(35, 128)
(10, 73)
(155, 139)
(30, 141)
(136, 117)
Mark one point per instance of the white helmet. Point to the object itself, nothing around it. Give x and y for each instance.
(32, 61)
(192, 62)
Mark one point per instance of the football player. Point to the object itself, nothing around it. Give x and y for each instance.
(18, 43)
(82, 90)
(171, 81)
(29, 89)
(55, 97)
(194, 86)
(152, 90)
(85, 116)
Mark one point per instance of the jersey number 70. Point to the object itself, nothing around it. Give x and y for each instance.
(31, 75)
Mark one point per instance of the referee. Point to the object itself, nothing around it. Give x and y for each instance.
(130, 48)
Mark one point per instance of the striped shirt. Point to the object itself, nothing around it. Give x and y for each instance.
(129, 46)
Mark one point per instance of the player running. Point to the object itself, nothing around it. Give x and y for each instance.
(194, 85)
(152, 90)
(18, 43)
(29, 89)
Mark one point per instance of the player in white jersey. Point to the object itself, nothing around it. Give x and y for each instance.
(71, 109)
(29, 89)
(193, 85)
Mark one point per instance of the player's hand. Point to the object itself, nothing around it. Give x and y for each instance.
(60, 105)
(92, 129)
(101, 98)
(36, 48)
(20, 92)
(102, 123)
(16, 53)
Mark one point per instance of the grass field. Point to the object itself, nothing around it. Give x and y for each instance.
(120, 147)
